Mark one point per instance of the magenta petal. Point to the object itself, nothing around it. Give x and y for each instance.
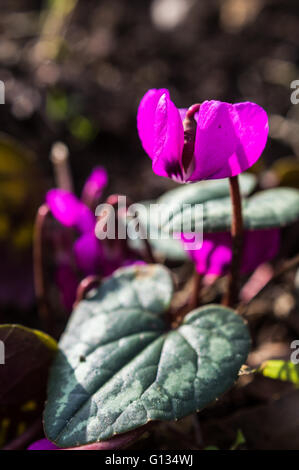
(145, 118)
(69, 210)
(252, 129)
(43, 444)
(63, 205)
(89, 254)
(95, 184)
(215, 140)
(169, 140)
(215, 255)
(229, 139)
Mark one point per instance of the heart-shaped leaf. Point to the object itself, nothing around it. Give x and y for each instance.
(267, 209)
(23, 376)
(176, 201)
(120, 367)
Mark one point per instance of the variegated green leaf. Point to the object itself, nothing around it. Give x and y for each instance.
(155, 212)
(120, 366)
(203, 191)
(266, 209)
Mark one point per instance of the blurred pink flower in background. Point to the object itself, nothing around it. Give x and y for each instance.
(215, 255)
(86, 255)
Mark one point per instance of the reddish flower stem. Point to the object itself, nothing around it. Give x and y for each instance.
(85, 286)
(192, 111)
(196, 288)
(189, 125)
(148, 253)
(38, 263)
(231, 297)
(59, 157)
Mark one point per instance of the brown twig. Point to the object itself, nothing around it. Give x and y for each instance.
(231, 297)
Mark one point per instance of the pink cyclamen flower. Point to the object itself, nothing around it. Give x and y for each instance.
(72, 212)
(86, 250)
(86, 255)
(69, 210)
(94, 186)
(208, 141)
(215, 255)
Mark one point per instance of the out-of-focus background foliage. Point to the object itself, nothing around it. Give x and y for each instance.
(75, 70)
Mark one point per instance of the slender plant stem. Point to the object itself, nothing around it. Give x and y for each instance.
(38, 262)
(196, 288)
(59, 157)
(85, 286)
(148, 252)
(231, 297)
